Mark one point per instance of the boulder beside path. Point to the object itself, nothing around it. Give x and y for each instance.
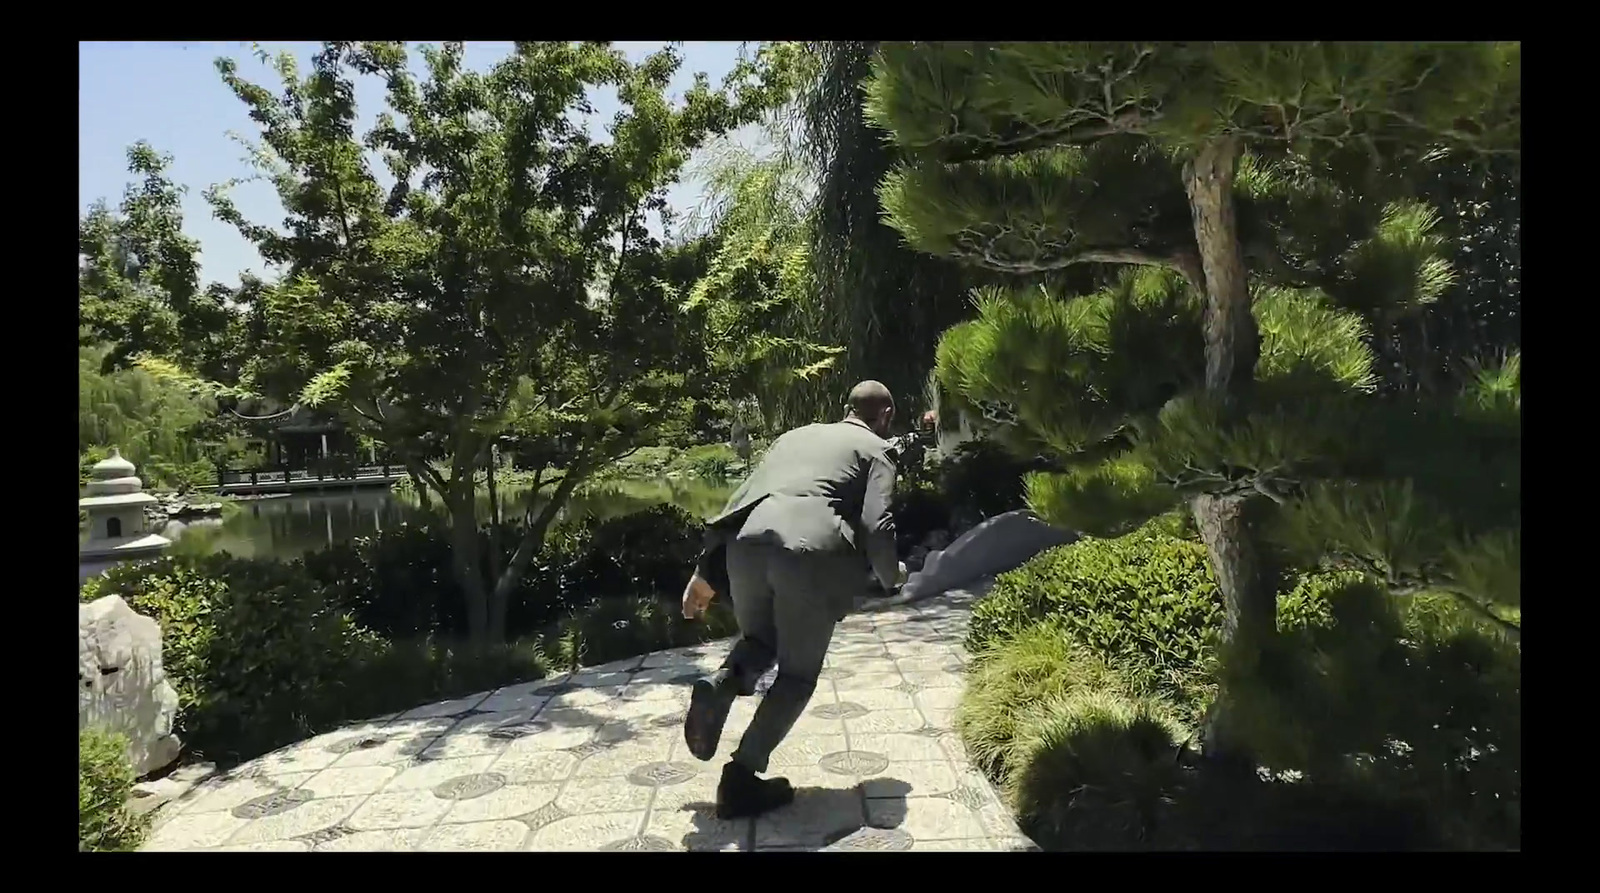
(993, 547)
(122, 686)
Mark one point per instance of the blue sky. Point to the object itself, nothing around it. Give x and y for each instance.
(169, 93)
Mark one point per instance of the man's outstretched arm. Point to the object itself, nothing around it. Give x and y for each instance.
(878, 523)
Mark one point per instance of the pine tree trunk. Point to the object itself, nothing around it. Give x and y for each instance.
(1233, 342)
(1232, 346)
(1249, 605)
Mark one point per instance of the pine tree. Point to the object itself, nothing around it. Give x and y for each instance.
(1257, 195)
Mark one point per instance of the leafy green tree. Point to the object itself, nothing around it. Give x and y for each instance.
(1260, 191)
(139, 276)
(502, 284)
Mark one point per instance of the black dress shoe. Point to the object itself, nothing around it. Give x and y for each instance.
(741, 795)
(709, 703)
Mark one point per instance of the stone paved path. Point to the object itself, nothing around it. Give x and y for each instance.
(596, 761)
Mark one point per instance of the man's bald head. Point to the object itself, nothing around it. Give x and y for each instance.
(871, 402)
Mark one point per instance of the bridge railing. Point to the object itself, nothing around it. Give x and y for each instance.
(256, 477)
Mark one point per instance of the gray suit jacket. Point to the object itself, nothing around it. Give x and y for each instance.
(820, 488)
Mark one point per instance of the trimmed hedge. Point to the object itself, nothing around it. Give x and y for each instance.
(1094, 769)
(1147, 603)
(1144, 603)
(1033, 668)
(105, 782)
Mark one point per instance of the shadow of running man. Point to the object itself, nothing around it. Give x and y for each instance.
(866, 817)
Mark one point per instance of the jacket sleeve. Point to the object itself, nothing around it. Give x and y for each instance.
(878, 523)
(712, 565)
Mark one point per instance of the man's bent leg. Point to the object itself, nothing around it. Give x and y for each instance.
(712, 697)
(755, 650)
(804, 588)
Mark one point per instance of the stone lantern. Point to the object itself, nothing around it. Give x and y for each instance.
(115, 505)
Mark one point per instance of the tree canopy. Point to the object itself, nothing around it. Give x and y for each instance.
(496, 282)
(1263, 196)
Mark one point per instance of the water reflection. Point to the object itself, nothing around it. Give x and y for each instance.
(289, 526)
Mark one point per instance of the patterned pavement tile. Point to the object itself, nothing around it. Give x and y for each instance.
(595, 761)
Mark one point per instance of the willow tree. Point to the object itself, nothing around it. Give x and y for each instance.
(757, 293)
(1251, 180)
(881, 301)
(500, 281)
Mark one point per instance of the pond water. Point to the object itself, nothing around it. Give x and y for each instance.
(289, 526)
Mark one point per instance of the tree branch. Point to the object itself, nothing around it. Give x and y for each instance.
(1135, 256)
(533, 534)
(1075, 133)
(1467, 601)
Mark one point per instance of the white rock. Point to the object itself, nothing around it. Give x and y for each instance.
(993, 547)
(121, 684)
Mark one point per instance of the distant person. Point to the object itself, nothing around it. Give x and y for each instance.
(788, 550)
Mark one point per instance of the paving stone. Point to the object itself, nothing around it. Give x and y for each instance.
(269, 846)
(301, 820)
(355, 780)
(625, 665)
(866, 682)
(481, 837)
(926, 818)
(596, 761)
(503, 804)
(698, 830)
(924, 778)
(583, 796)
(513, 698)
(934, 680)
(188, 832)
(425, 776)
(223, 794)
(454, 707)
(885, 722)
(587, 832)
(970, 845)
(816, 818)
(401, 809)
(527, 766)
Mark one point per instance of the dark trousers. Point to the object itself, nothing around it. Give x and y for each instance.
(787, 604)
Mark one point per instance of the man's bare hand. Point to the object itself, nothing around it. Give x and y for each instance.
(697, 597)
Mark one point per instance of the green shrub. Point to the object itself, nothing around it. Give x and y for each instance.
(648, 552)
(258, 653)
(408, 673)
(1034, 667)
(1414, 698)
(1093, 768)
(1178, 523)
(1145, 603)
(711, 460)
(105, 782)
(614, 628)
(400, 583)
